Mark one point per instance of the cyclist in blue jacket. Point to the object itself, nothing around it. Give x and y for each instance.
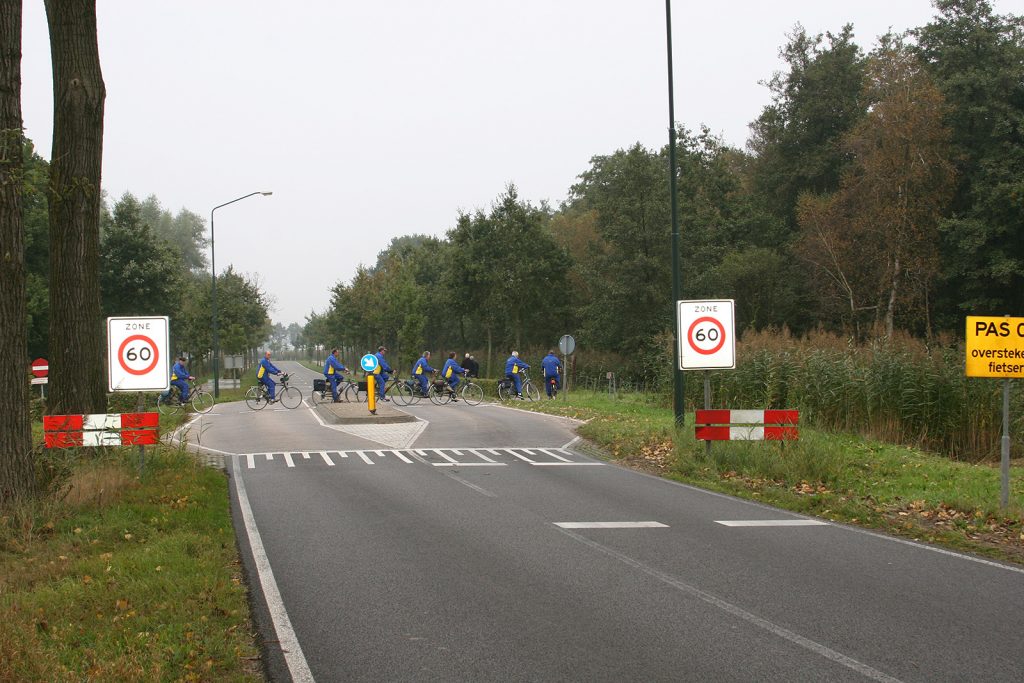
(420, 370)
(332, 371)
(512, 367)
(552, 371)
(179, 377)
(450, 372)
(383, 371)
(266, 369)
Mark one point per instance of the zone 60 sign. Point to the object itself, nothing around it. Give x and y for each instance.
(707, 339)
(137, 354)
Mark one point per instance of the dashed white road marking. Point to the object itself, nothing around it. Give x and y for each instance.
(288, 460)
(448, 457)
(327, 458)
(771, 522)
(611, 525)
(554, 455)
(252, 461)
(366, 459)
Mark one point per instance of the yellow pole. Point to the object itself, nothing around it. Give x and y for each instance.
(371, 393)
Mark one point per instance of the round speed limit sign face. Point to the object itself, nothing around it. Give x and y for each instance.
(706, 335)
(138, 354)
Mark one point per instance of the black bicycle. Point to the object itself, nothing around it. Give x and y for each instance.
(258, 397)
(200, 400)
(348, 389)
(507, 390)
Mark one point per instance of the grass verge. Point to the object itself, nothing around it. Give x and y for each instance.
(842, 477)
(122, 577)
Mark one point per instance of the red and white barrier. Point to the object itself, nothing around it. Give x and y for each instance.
(747, 425)
(113, 429)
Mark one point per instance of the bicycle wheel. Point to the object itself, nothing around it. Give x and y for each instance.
(316, 396)
(290, 397)
(167, 406)
(353, 395)
(202, 402)
(531, 392)
(402, 394)
(472, 394)
(438, 395)
(504, 392)
(255, 399)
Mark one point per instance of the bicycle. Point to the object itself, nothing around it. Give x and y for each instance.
(344, 387)
(507, 390)
(258, 397)
(553, 382)
(201, 401)
(470, 392)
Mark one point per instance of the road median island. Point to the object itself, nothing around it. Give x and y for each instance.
(348, 413)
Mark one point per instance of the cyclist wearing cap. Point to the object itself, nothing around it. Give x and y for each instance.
(332, 372)
(383, 371)
(179, 378)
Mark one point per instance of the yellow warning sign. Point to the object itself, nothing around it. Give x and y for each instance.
(995, 346)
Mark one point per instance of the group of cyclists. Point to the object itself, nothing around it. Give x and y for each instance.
(451, 372)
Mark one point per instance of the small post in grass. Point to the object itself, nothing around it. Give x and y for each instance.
(707, 406)
(142, 449)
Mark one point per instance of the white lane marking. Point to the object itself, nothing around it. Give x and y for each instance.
(362, 454)
(749, 617)
(270, 456)
(326, 458)
(521, 457)
(252, 462)
(552, 453)
(293, 657)
(402, 457)
(380, 454)
(477, 453)
(305, 456)
(611, 525)
(570, 444)
(446, 457)
(288, 459)
(770, 522)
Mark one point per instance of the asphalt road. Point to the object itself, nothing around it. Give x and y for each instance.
(478, 545)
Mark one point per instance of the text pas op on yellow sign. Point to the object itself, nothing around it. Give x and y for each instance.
(995, 346)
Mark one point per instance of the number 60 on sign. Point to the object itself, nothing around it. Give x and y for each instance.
(706, 330)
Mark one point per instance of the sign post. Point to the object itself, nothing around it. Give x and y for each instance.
(566, 345)
(369, 364)
(707, 340)
(995, 348)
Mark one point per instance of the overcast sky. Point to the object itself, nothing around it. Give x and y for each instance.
(374, 119)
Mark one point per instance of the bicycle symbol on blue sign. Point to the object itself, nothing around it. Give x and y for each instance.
(368, 362)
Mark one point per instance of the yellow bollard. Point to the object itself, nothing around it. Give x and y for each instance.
(371, 393)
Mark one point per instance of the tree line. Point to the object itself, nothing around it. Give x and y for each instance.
(879, 191)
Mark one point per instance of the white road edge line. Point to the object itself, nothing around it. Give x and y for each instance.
(771, 522)
(293, 657)
(749, 617)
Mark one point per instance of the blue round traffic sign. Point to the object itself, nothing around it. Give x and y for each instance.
(369, 362)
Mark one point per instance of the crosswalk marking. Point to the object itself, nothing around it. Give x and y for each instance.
(435, 457)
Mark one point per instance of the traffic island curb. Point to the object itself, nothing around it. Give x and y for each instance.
(346, 413)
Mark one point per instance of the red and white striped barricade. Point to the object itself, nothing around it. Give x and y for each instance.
(747, 425)
(114, 429)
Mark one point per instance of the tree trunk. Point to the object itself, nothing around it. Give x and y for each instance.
(77, 331)
(890, 310)
(16, 470)
(489, 355)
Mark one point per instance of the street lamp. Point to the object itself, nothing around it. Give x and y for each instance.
(213, 294)
(679, 394)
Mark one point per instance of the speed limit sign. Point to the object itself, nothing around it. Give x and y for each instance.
(138, 354)
(707, 334)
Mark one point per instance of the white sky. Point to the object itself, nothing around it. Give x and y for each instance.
(370, 119)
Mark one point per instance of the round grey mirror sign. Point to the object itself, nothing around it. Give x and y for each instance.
(567, 345)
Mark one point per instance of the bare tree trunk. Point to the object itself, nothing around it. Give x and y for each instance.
(76, 328)
(489, 353)
(890, 310)
(16, 470)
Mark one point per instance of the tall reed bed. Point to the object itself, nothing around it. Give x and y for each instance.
(898, 390)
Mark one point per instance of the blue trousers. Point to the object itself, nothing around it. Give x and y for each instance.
(453, 383)
(271, 385)
(334, 379)
(518, 382)
(424, 384)
(382, 379)
(547, 383)
(182, 386)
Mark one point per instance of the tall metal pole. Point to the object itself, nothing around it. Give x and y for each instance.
(679, 393)
(213, 294)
